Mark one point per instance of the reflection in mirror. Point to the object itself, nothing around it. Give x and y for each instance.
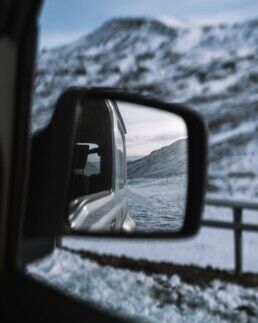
(130, 169)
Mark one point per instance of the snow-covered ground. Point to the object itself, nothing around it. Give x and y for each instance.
(147, 298)
(157, 297)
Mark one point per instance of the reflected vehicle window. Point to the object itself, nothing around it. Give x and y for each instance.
(120, 160)
(88, 161)
(93, 163)
(93, 151)
(119, 153)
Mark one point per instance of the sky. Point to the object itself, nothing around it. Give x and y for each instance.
(63, 21)
(149, 129)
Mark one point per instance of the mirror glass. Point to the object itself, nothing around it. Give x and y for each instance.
(130, 169)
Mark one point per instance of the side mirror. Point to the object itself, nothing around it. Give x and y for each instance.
(118, 164)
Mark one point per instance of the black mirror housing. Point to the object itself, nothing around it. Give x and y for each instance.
(53, 156)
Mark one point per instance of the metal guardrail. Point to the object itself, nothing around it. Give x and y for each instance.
(237, 226)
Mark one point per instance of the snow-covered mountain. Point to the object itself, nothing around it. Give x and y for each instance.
(213, 69)
(167, 161)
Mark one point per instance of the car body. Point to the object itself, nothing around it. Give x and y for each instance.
(99, 192)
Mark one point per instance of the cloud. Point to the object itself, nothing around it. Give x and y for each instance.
(149, 129)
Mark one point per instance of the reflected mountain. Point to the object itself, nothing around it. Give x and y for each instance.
(167, 161)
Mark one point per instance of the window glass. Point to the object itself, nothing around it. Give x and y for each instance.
(120, 160)
(87, 162)
(93, 150)
(93, 165)
(200, 53)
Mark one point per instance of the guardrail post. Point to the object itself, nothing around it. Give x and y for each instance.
(237, 215)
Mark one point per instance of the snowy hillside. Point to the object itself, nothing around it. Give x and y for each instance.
(164, 162)
(213, 69)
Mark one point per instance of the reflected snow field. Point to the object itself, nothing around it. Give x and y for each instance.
(157, 203)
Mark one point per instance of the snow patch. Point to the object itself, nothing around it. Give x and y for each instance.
(174, 22)
(188, 40)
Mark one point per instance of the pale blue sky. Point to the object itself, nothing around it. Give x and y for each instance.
(64, 20)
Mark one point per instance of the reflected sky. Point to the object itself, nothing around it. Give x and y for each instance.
(149, 129)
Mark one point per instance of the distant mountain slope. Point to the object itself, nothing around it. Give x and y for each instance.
(198, 63)
(167, 161)
(213, 69)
